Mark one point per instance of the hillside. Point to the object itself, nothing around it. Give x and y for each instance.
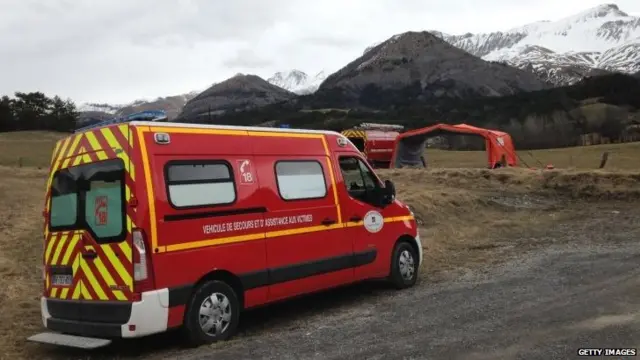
(172, 105)
(553, 117)
(238, 93)
(426, 66)
(602, 38)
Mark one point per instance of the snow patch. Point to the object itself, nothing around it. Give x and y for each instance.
(297, 81)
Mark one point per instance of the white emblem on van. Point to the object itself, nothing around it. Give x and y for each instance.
(342, 142)
(246, 172)
(373, 221)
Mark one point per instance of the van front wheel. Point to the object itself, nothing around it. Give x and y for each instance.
(212, 314)
(404, 269)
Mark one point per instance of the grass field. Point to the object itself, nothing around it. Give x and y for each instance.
(461, 211)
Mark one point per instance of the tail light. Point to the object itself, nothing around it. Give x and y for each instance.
(141, 263)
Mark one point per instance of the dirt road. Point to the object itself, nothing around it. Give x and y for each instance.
(574, 284)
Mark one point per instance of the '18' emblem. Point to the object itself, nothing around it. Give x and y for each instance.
(101, 212)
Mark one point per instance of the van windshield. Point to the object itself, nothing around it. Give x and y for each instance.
(90, 197)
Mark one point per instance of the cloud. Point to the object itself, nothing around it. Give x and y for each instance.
(121, 50)
(247, 59)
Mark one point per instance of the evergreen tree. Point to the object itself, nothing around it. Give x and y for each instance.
(36, 111)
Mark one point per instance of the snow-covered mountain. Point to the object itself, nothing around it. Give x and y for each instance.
(171, 104)
(600, 39)
(104, 108)
(297, 81)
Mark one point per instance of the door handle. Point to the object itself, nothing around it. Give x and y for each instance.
(90, 255)
(328, 222)
(355, 218)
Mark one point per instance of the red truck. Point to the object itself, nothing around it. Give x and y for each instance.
(375, 141)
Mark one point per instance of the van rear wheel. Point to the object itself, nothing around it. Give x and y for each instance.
(404, 269)
(212, 314)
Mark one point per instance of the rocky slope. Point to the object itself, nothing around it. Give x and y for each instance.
(238, 93)
(297, 81)
(172, 105)
(422, 62)
(603, 38)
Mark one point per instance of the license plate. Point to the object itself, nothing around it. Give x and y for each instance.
(61, 280)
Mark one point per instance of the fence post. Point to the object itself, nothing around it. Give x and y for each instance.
(603, 161)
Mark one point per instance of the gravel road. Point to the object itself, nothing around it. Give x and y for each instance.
(583, 290)
(578, 286)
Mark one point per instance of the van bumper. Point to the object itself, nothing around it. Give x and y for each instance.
(108, 319)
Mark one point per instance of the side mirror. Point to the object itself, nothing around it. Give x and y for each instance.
(389, 191)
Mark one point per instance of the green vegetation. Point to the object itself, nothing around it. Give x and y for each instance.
(36, 111)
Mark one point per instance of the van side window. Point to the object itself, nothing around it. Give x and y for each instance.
(361, 183)
(300, 180)
(199, 183)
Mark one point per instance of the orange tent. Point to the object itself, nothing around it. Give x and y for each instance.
(409, 146)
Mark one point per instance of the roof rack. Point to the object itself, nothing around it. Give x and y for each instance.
(149, 115)
(375, 126)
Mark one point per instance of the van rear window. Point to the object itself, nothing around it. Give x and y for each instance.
(90, 197)
(199, 184)
(300, 180)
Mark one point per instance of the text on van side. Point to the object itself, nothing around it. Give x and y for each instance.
(256, 224)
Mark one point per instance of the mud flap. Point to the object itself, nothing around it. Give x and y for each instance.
(80, 342)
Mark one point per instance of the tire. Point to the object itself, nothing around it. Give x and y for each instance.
(404, 276)
(226, 314)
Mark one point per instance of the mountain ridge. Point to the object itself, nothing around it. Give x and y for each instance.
(601, 38)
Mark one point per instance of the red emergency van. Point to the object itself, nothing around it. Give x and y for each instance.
(152, 226)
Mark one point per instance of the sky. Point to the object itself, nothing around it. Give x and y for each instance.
(117, 51)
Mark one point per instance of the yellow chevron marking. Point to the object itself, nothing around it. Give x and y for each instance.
(124, 129)
(93, 281)
(76, 263)
(61, 154)
(85, 292)
(113, 259)
(56, 254)
(95, 144)
(74, 144)
(54, 292)
(76, 291)
(77, 160)
(50, 244)
(54, 153)
(127, 192)
(65, 163)
(107, 278)
(86, 159)
(54, 167)
(126, 249)
(46, 281)
(113, 142)
(70, 249)
(63, 294)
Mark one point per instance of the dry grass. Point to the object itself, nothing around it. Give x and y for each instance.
(28, 148)
(467, 217)
(621, 156)
(470, 216)
(21, 191)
